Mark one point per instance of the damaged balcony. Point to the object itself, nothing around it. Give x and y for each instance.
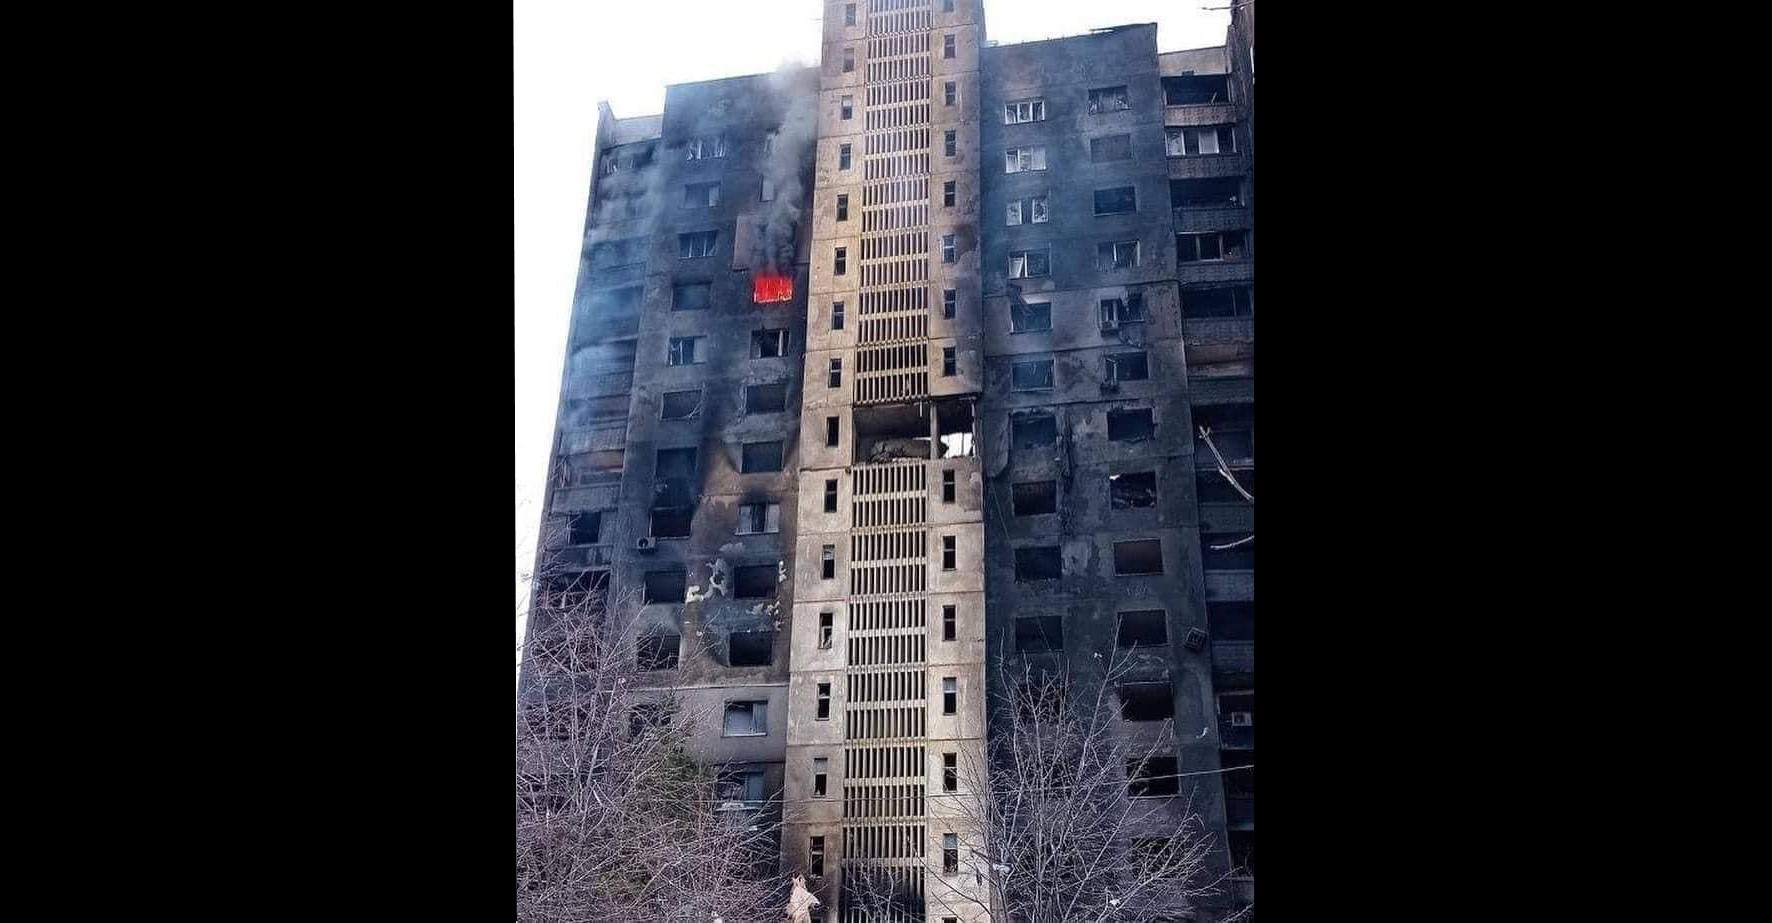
(1231, 626)
(1210, 204)
(898, 432)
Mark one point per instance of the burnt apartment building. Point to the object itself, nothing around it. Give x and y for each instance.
(891, 371)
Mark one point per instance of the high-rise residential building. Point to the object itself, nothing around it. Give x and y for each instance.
(886, 371)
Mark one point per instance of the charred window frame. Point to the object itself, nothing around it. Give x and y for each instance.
(584, 527)
(1118, 367)
(759, 518)
(760, 457)
(701, 195)
(1196, 90)
(1031, 209)
(696, 244)
(1033, 430)
(1208, 192)
(692, 296)
(1118, 311)
(1139, 557)
(1132, 490)
(666, 586)
(1211, 487)
(1117, 254)
(1031, 376)
(1233, 432)
(1034, 498)
(1142, 628)
(1153, 777)
(1039, 633)
(745, 719)
(671, 521)
(1146, 700)
(771, 343)
(658, 651)
(1203, 141)
(1109, 99)
(766, 398)
(1234, 301)
(680, 405)
(750, 648)
(1030, 264)
(1131, 424)
(1038, 562)
(685, 351)
(1119, 200)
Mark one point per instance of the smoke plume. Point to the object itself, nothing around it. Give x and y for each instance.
(795, 90)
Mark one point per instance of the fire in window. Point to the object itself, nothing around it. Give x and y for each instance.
(771, 288)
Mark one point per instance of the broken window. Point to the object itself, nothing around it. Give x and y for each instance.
(751, 648)
(1154, 777)
(843, 207)
(1110, 148)
(672, 522)
(694, 296)
(674, 463)
(947, 552)
(1030, 316)
(1144, 556)
(843, 160)
(820, 768)
(1211, 487)
(848, 60)
(950, 854)
(1035, 498)
(584, 528)
(1133, 490)
(826, 624)
(769, 344)
(830, 496)
(1237, 301)
(948, 617)
(1027, 264)
(947, 248)
(770, 398)
(696, 244)
(848, 107)
(947, 486)
(680, 405)
(1038, 562)
(1233, 432)
(1024, 110)
(1039, 633)
(1118, 254)
(666, 586)
(948, 361)
(948, 299)
(573, 590)
(947, 46)
(705, 148)
(1196, 90)
(758, 518)
(759, 457)
(1024, 159)
(1032, 430)
(1127, 425)
(824, 701)
(836, 373)
(744, 785)
(1031, 208)
(1109, 99)
(1216, 192)
(1116, 201)
(1194, 142)
(947, 144)
(837, 315)
(1227, 551)
(950, 772)
(745, 719)
(1146, 701)
(701, 195)
(840, 263)
(815, 849)
(1143, 628)
(947, 194)
(1200, 248)
(832, 431)
(828, 562)
(1126, 367)
(949, 92)
(684, 351)
(1231, 621)
(1031, 376)
(950, 695)
(658, 651)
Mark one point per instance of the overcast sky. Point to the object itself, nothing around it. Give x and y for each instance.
(571, 53)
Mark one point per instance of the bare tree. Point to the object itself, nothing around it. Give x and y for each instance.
(1062, 817)
(614, 819)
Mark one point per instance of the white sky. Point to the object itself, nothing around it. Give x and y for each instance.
(571, 53)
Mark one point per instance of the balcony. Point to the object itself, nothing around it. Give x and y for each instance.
(1209, 165)
(1204, 271)
(1231, 586)
(1200, 114)
(1201, 220)
(1217, 329)
(1233, 662)
(1227, 517)
(1210, 391)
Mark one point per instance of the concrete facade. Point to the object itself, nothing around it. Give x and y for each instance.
(1046, 423)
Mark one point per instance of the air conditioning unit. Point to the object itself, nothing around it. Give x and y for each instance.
(1196, 640)
(646, 543)
(1242, 719)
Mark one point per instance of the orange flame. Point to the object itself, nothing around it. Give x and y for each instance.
(768, 288)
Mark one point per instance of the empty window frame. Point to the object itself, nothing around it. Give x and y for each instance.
(1029, 264)
(1126, 310)
(827, 623)
(1032, 430)
(1038, 562)
(671, 521)
(843, 207)
(1118, 254)
(820, 771)
(1119, 200)
(696, 244)
(1109, 99)
(759, 518)
(950, 772)
(1201, 248)
(947, 144)
(1233, 432)
(950, 854)
(1024, 159)
(769, 398)
(1231, 621)
(584, 528)
(950, 695)
(692, 296)
(1128, 425)
(751, 648)
(835, 379)
(1118, 367)
(1214, 192)
(1132, 490)
(949, 298)
(1138, 557)
(1142, 628)
(947, 485)
(947, 194)
(657, 651)
(824, 702)
(833, 431)
(705, 148)
(1146, 701)
(769, 344)
(1031, 376)
(839, 312)
(845, 157)
(701, 195)
(1205, 140)
(1039, 633)
(684, 351)
(745, 719)
(1211, 487)
(828, 562)
(947, 552)
(1227, 551)
(948, 619)
(1110, 148)
(1031, 209)
(1034, 498)
(758, 457)
(830, 496)
(948, 249)
(1154, 777)
(1024, 110)
(1196, 90)
(949, 361)
(1235, 301)
(847, 107)
(1029, 316)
